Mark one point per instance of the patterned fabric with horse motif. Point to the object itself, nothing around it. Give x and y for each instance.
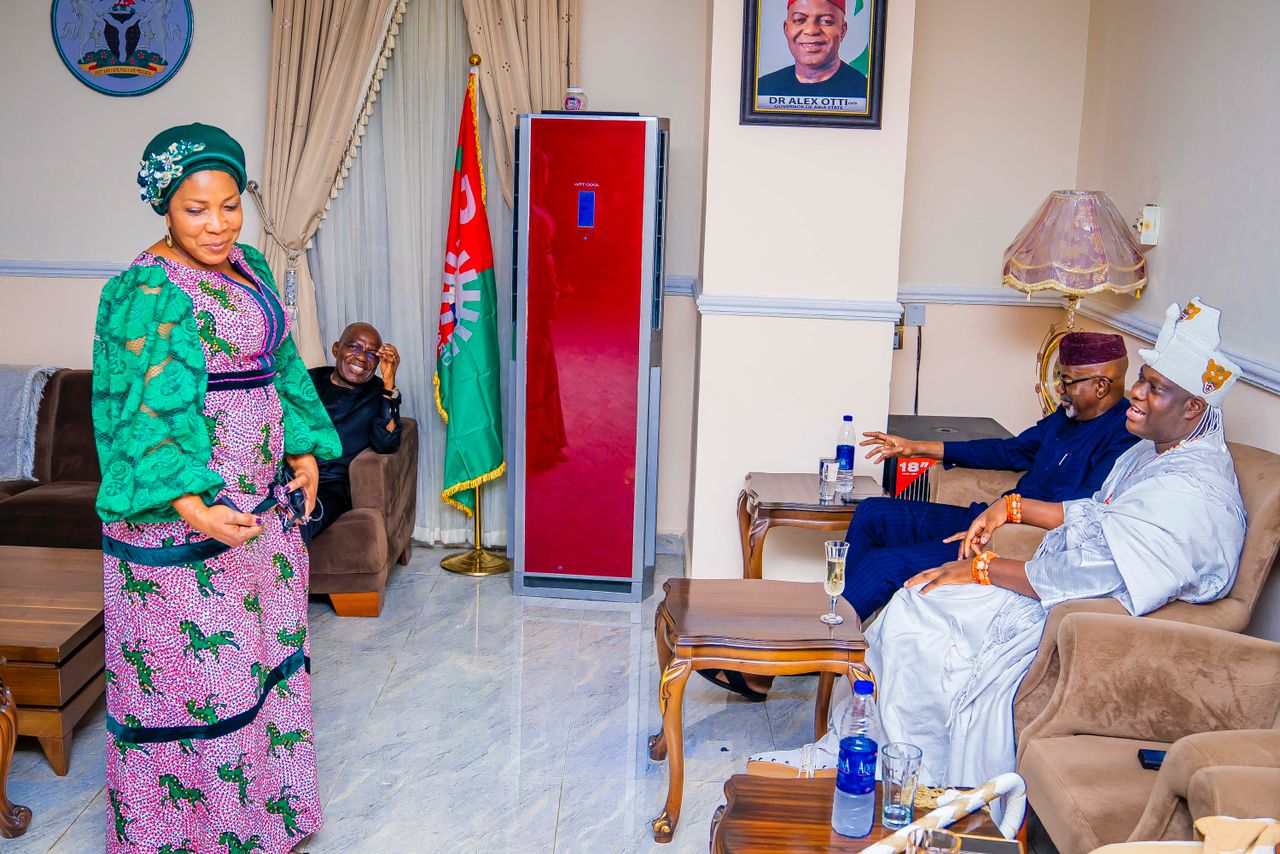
(208, 691)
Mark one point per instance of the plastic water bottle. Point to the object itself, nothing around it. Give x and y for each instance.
(846, 439)
(861, 716)
(853, 811)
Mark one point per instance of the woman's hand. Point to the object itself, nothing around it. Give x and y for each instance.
(979, 533)
(955, 572)
(306, 476)
(220, 522)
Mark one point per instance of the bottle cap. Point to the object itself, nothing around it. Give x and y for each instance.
(848, 418)
(865, 687)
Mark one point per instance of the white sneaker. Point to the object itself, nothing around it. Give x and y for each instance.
(819, 759)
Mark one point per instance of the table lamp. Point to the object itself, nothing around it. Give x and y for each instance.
(1076, 243)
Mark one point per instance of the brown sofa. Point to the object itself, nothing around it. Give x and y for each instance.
(1259, 474)
(349, 561)
(1210, 698)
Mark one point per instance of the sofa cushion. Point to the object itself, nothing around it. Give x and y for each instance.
(1087, 790)
(350, 556)
(10, 488)
(74, 456)
(55, 515)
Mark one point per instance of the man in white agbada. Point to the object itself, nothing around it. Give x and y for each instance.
(950, 648)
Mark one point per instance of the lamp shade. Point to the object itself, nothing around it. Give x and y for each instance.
(1076, 243)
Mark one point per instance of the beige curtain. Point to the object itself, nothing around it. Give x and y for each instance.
(327, 57)
(529, 55)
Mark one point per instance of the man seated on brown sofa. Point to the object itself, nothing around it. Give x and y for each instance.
(1168, 523)
(365, 410)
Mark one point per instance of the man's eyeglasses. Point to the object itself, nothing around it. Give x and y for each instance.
(361, 353)
(1059, 379)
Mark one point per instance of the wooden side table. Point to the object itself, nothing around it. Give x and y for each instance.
(768, 815)
(14, 819)
(765, 627)
(769, 500)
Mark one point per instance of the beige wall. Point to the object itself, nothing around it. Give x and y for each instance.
(69, 157)
(770, 390)
(651, 58)
(805, 212)
(1178, 112)
(996, 95)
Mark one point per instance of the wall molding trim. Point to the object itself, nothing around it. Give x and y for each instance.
(60, 269)
(679, 286)
(1257, 372)
(883, 311)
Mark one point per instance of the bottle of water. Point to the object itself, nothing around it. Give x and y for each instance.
(861, 716)
(854, 808)
(846, 440)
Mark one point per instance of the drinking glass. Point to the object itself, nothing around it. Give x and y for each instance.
(899, 773)
(925, 841)
(837, 551)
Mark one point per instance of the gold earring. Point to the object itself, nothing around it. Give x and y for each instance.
(168, 238)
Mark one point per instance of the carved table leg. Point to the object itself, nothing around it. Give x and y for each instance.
(658, 743)
(671, 700)
(13, 818)
(744, 528)
(822, 708)
(755, 546)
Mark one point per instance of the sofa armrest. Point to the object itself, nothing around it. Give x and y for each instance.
(1036, 688)
(1235, 790)
(1157, 680)
(1018, 542)
(1189, 758)
(963, 487)
(377, 478)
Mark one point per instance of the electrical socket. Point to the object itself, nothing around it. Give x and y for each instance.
(913, 314)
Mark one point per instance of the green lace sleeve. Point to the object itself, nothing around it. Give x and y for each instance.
(307, 427)
(148, 394)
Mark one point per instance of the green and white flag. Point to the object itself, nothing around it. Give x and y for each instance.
(467, 387)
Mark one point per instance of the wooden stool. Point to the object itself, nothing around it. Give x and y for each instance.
(13, 818)
(764, 627)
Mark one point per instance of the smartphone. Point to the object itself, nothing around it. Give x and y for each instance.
(985, 845)
(1151, 759)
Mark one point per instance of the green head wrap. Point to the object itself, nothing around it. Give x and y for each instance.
(179, 152)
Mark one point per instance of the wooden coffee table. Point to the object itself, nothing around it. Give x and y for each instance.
(767, 815)
(770, 500)
(765, 627)
(51, 634)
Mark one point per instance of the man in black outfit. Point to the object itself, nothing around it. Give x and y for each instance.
(365, 410)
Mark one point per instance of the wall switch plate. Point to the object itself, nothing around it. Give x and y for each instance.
(1149, 225)
(913, 314)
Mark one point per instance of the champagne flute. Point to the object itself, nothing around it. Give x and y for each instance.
(837, 551)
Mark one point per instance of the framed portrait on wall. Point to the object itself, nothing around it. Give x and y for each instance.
(813, 62)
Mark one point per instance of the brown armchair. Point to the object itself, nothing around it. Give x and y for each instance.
(1210, 698)
(350, 560)
(1259, 474)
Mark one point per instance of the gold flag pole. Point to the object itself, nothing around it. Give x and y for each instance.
(479, 560)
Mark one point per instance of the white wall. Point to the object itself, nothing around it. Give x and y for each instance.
(996, 95)
(69, 157)
(1179, 112)
(790, 213)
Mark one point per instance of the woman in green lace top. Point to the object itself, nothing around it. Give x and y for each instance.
(199, 402)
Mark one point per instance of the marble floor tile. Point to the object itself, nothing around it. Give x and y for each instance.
(466, 718)
(613, 816)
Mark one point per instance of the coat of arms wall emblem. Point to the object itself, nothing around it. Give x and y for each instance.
(122, 47)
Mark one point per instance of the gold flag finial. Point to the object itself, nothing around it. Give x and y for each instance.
(475, 60)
